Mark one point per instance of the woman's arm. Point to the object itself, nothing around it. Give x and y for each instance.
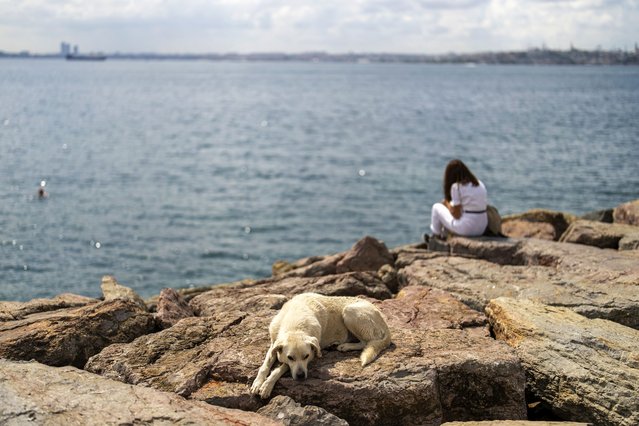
(456, 211)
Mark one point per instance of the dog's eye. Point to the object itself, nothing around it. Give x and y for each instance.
(291, 358)
(306, 356)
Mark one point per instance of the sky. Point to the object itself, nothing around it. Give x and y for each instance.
(334, 26)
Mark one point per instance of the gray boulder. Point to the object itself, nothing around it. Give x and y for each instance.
(586, 370)
(33, 393)
(284, 409)
(629, 242)
(602, 235)
(599, 216)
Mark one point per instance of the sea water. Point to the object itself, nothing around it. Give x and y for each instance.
(188, 173)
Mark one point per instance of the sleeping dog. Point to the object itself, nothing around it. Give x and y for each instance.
(310, 322)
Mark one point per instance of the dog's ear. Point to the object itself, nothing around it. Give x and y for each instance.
(277, 347)
(315, 345)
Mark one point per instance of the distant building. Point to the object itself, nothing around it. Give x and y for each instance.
(65, 48)
(75, 49)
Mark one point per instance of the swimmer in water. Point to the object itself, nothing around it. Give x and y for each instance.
(42, 194)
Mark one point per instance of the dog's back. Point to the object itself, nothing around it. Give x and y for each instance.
(316, 314)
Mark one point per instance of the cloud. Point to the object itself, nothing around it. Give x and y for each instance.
(420, 26)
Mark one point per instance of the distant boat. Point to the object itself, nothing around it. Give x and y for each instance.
(78, 57)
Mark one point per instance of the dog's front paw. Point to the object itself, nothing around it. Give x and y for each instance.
(255, 388)
(265, 390)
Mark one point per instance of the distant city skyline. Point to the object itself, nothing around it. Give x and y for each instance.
(245, 26)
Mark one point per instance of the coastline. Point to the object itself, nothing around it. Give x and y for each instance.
(484, 328)
(533, 56)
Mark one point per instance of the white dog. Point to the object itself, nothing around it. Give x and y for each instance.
(309, 322)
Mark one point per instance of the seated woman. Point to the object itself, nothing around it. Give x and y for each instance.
(463, 210)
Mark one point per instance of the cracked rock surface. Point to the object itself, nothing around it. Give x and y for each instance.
(586, 370)
(33, 393)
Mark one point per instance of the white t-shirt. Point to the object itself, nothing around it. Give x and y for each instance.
(472, 198)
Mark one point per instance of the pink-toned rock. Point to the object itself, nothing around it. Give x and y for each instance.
(428, 308)
(537, 223)
(526, 229)
(368, 254)
(627, 213)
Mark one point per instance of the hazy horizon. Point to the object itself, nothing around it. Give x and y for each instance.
(279, 26)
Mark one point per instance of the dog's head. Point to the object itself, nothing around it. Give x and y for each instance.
(297, 350)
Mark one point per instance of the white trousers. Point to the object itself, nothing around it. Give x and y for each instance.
(468, 225)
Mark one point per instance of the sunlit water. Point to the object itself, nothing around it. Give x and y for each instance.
(174, 174)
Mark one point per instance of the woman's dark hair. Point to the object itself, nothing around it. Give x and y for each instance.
(457, 172)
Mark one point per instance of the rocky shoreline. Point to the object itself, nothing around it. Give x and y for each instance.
(541, 327)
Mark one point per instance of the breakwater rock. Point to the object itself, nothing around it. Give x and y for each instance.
(484, 330)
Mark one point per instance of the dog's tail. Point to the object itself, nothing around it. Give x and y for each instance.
(374, 347)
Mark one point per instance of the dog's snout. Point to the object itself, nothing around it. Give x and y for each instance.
(300, 375)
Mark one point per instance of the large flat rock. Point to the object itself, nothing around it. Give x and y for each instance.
(595, 264)
(429, 377)
(586, 370)
(426, 308)
(437, 369)
(593, 282)
(32, 393)
(70, 336)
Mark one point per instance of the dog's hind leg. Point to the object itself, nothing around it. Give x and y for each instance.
(262, 373)
(366, 323)
(345, 347)
(267, 386)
